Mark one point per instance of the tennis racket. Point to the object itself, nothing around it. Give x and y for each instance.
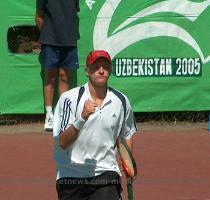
(129, 166)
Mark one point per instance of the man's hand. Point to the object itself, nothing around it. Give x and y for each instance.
(39, 18)
(89, 108)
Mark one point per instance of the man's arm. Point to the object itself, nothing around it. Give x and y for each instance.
(68, 136)
(129, 142)
(77, 5)
(39, 18)
(40, 7)
(129, 128)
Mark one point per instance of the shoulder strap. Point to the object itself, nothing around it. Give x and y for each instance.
(122, 99)
(81, 91)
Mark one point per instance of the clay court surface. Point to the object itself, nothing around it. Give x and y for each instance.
(173, 163)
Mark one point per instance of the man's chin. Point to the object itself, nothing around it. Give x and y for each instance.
(101, 83)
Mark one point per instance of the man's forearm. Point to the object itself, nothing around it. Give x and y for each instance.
(129, 142)
(68, 137)
(39, 18)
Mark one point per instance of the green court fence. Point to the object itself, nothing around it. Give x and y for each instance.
(160, 51)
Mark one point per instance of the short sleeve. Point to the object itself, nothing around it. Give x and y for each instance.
(63, 116)
(129, 124)
(40, 4)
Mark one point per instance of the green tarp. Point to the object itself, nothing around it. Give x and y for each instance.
(160, 52)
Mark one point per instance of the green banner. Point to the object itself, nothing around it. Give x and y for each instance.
(160, 51)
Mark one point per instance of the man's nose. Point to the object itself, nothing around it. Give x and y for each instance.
(101, 69)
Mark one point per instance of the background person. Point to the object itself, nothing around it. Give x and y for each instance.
(58, 25)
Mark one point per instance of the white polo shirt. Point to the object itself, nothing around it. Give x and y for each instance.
(94, 151)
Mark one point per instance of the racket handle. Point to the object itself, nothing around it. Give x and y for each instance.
(209, 123)
(130, 190)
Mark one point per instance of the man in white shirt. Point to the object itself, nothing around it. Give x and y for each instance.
(88, 121)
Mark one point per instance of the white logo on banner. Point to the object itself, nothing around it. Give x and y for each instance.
(90, 3)
(123, 37)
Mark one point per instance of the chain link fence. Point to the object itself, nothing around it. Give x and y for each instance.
(168, 117)
(184, 116)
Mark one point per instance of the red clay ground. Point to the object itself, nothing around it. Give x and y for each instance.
(173, 164)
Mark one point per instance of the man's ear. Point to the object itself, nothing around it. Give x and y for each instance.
(87, 71)
(111, 70)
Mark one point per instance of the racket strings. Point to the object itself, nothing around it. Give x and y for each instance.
(127, 161)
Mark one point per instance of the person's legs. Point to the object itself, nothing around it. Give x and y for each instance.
(51, 63)
(49, 85)
(58, 61)
(68, 61)
(63, 80)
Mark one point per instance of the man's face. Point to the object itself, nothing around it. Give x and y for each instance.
(99, 72)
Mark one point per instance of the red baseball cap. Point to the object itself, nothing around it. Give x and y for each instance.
(95, 55)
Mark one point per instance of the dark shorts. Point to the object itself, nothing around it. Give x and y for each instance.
(106, 186)
(59, 56)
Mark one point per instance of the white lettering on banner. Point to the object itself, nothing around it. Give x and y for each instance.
(148, 67)
(188, 66)
(90, 3)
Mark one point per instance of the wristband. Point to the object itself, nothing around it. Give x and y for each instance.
(79, 123)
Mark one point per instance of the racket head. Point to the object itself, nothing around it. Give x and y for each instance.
(128, 161)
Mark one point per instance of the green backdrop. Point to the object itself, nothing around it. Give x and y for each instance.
(160, 52)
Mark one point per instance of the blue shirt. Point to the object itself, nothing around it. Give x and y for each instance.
(61, 24)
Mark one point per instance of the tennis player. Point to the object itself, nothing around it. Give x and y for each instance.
(88, 120)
